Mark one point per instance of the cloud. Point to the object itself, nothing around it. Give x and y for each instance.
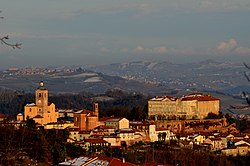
(227, 47)
(161, 50)
(139, 49)
(231, 47)
(242, 51)
(223, 5)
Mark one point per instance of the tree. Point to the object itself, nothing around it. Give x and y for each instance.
(4, 39)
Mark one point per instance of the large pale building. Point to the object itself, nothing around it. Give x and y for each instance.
(192, 106)
(42, 111)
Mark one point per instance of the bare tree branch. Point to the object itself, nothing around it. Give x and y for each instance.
(248, 67)
(247, 77)
(3, 41)
(5, 38)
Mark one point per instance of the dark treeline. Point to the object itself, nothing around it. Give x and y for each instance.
(120, 104)
(12, 102)
(28, 145)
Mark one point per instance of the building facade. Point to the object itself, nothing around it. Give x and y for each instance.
(42, 111)
(192, 106)
(86, 119)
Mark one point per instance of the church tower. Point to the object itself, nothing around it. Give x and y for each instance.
(42, 98)
(41, 111)
(95, 109)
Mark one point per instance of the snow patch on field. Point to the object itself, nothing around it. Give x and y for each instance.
(93, 79)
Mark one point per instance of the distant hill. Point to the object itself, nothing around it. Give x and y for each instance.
(226, 77)
(68, 80)
(223, 80)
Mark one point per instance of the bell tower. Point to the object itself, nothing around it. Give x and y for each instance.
(42, 96)
(95, 109)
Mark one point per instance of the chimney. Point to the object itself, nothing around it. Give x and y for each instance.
(95, 109)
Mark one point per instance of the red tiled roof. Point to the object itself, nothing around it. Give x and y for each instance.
(161, 98)
(103, 127)
(155, 164)
(245, 144)
(84, 132)
(126, 130)
(161, 129)
(95, 140)
(140, 123)
(215, 139)
(118, 162)
(94, 160)
(199, 97)
(38, 116)
(103, 119)
(114, 119)
(2, 116)
(84, 111)
(72, 128)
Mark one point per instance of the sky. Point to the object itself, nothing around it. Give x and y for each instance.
(93, 32)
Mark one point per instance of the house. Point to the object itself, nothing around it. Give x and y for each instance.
(94, 160)
(66, 114)
(183, 136)
(144, 130)
(127, 135)
(113, 140)
(215, 142)
(19, 117)
(117, 123)
(103, 130)
(164, 134)
(142, 126)
(186, 144)
(58, 125)
(241, 149)
(76, 135)
(93, 143)
(197, 138)
(2, 117)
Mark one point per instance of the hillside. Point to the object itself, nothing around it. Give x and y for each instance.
(207, 75)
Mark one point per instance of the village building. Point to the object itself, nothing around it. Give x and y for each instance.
(241, 150)
(127, 135)
(86, 119)
(58, 125)
(2, 117)
(216, 143)
(116, 123)
(96, 143)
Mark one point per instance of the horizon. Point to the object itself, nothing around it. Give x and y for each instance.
(93, 32)
(86, 66)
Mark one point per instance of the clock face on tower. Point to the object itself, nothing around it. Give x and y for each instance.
(39, 101)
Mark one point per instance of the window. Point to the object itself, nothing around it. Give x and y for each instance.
(39, 95)
(30, 109)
